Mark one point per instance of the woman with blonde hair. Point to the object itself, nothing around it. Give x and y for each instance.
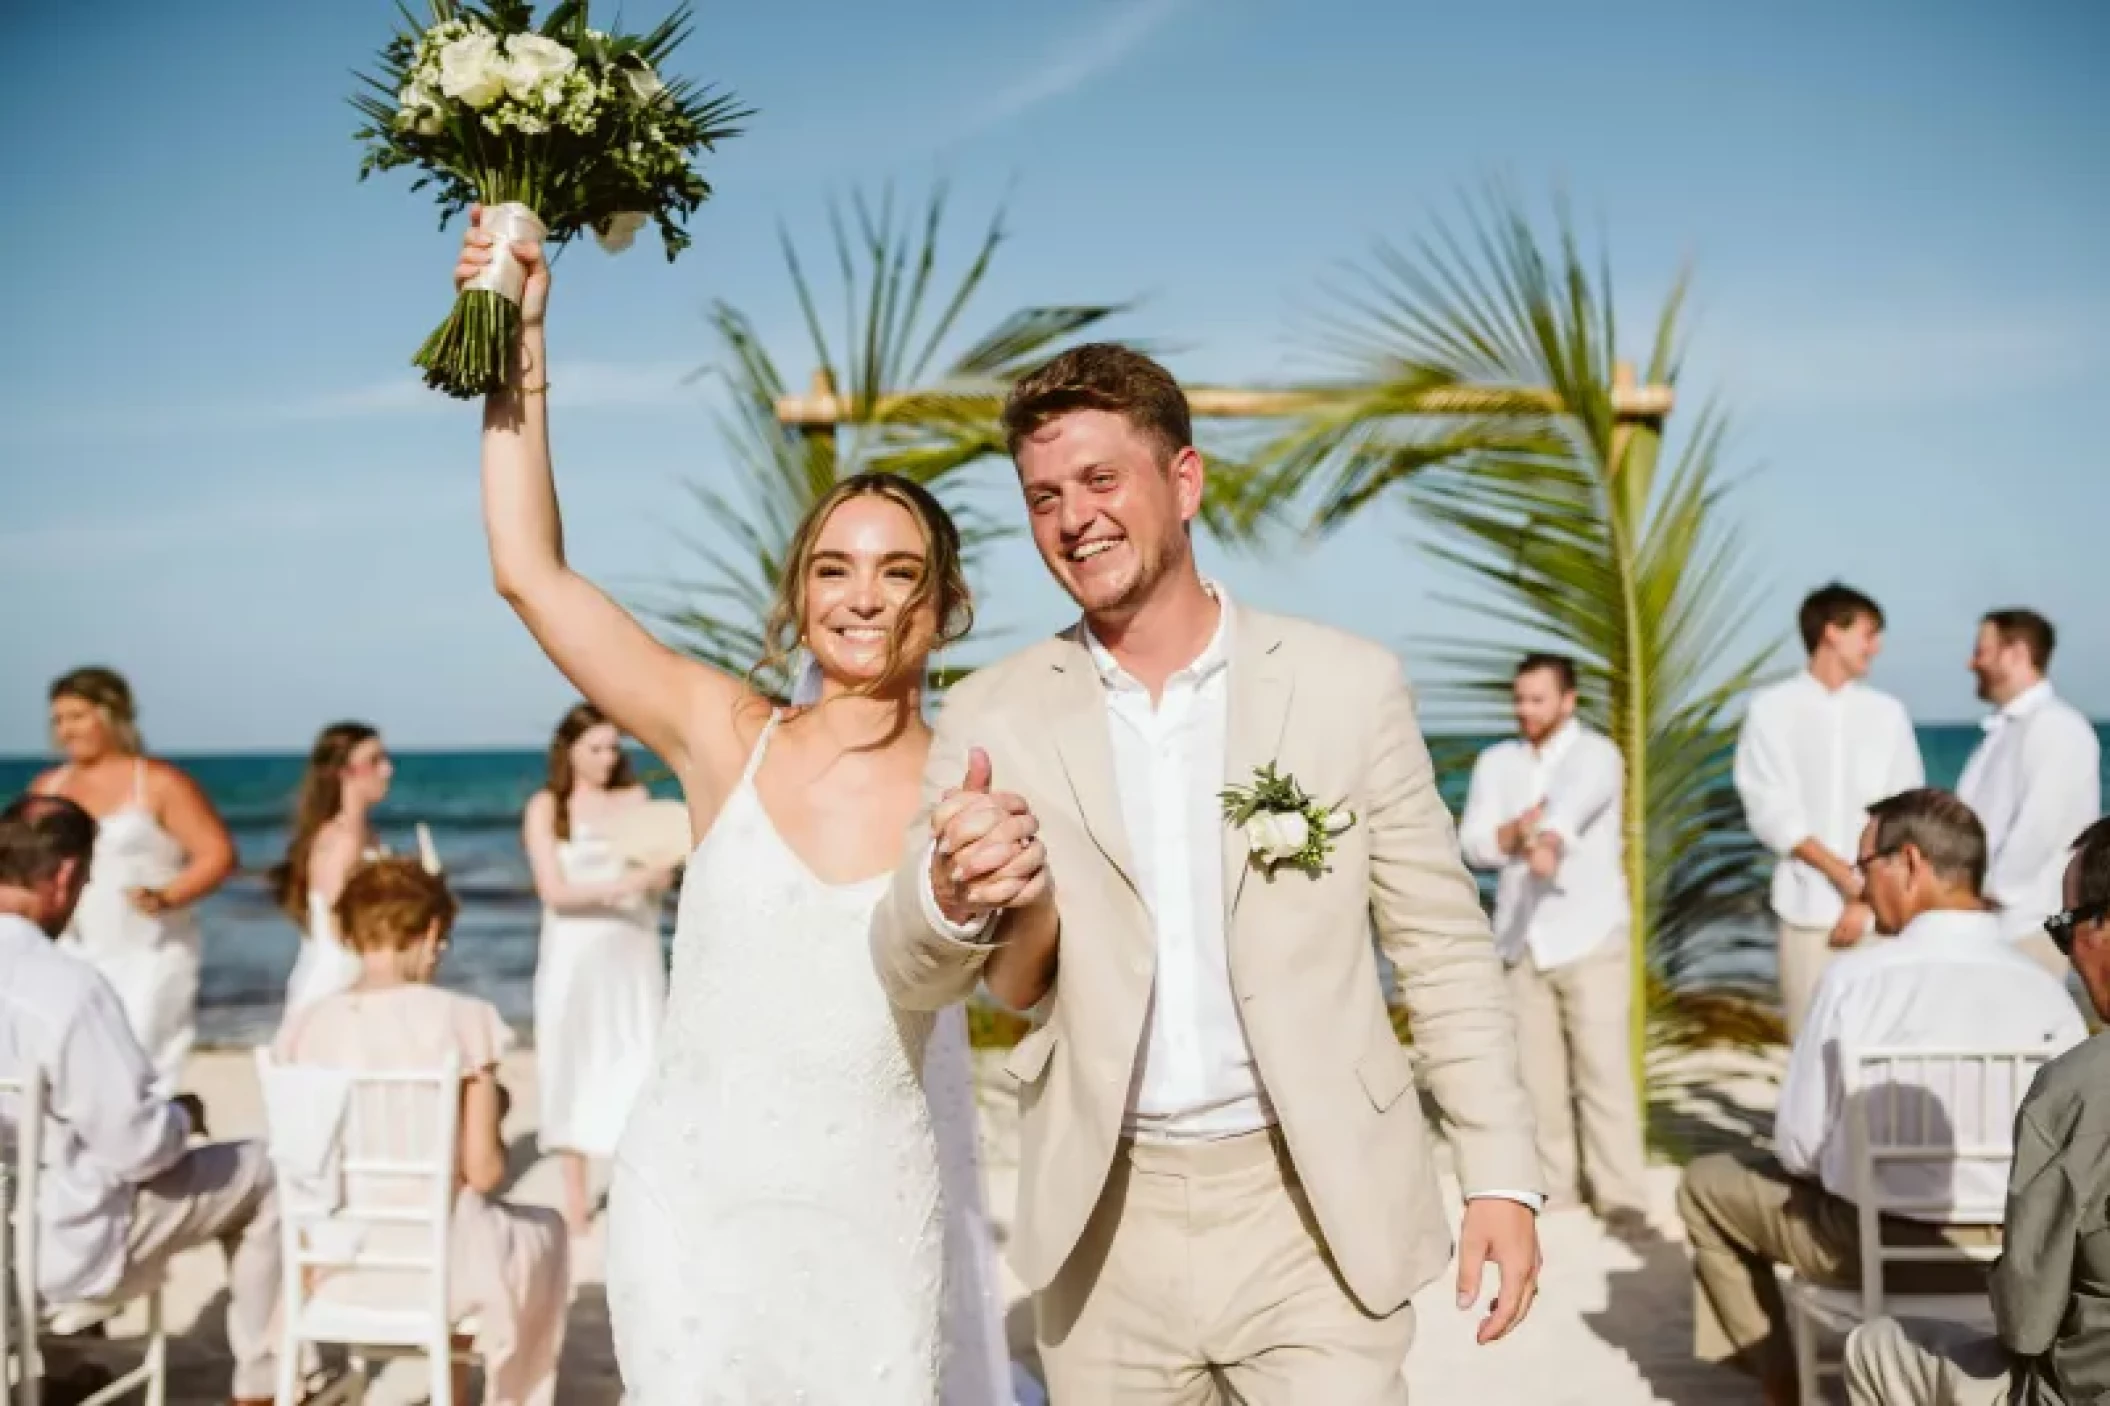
(508, 1266)
(600, 978)
(348, 774)
(782, 1225)
(160, 848)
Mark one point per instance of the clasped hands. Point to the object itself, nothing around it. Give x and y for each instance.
(986, 853)
(1541, 848)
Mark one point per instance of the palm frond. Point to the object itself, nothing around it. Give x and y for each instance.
(1473, 385)
(901, 303)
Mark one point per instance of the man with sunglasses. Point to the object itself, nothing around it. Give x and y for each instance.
(1945, 981)
(2051, 1287)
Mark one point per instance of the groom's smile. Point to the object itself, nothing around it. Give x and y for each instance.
(1109, 504)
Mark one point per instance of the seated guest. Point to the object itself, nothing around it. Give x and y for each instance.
(508, 1264)
(2051, 1288)
(1948, 981)
(122, 1191)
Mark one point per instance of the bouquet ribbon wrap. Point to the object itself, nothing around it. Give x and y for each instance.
(508, 224)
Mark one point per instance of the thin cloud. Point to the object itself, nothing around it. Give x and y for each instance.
(575, 385)
(1083, 56)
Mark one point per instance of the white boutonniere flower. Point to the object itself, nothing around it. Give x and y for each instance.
(1281, 824)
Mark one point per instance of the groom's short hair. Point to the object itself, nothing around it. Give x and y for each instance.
(1101, 376)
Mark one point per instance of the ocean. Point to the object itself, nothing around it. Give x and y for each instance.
(472, 802)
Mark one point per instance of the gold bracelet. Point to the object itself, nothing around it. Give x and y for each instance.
(533, 390)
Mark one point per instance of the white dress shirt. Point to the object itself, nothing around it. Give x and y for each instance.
(1810, 760)
(1946, 982)
(106, 1130)
(1580, 776)
(2035, 780)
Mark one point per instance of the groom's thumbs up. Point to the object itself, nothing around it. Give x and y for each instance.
(978, 772)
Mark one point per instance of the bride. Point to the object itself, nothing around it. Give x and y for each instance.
(778, 1222)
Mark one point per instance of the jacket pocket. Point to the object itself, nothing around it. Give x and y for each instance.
(1028, 1059)
(1387, 1071)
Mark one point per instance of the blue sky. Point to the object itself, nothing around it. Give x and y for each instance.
(221, 477)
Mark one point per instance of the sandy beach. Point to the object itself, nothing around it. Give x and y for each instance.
(1612, 1325)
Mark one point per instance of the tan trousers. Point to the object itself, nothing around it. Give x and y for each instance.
(1919, 1362)
(1575, 1040)
(220, 1193)
(1201, 1278)
(1804, 954)
(1743, 1215)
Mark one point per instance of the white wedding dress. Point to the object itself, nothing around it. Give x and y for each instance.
(778, 1227)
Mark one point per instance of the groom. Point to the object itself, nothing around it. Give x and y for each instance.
(1224, 1172)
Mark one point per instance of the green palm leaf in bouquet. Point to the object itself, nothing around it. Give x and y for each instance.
(555, 130)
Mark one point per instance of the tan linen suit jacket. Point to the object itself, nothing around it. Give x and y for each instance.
(1333, 711)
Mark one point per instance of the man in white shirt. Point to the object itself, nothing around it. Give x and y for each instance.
(2035, 779)
(1544, 809)
(1944, 982)
(122, 1191)
(1814, 751)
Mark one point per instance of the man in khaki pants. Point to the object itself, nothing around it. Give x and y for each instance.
(1225, 1186)
(1814, 751)
(1544, 809)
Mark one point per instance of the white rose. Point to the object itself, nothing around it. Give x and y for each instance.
(644, 83)
(420, 110)
(1277, 835)
(535, 66)
(471, 70)
(618, 231)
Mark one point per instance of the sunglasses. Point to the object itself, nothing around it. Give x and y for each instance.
(2059, 927)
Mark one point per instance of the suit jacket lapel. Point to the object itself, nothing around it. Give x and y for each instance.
(1259, 710)
(1085, 745)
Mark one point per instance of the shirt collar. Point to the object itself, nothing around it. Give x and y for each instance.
(2028, 701)
(1953, 925)
(1562, 739)
(1215, 655)
(1823, 690)
(16, 931)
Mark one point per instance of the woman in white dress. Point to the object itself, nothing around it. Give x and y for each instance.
(160, 847)
(776, 1225)
(600, 977)
(348, 773)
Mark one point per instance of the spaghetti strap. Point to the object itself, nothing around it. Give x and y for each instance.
(754, 758)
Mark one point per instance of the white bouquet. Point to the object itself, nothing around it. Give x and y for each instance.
(553, 131)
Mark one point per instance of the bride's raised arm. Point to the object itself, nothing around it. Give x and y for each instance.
(683, 710)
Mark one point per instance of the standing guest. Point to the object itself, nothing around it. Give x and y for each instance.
(2051, 1287)
(1944, 982)
(1544, 809)
(160, 848)
(507, 1265)
(600, 977)
(2035, 779)
(1814, 752)
(348, 775)
(122, 1191)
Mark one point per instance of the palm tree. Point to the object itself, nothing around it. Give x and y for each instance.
(918, 399)
(1476, 387)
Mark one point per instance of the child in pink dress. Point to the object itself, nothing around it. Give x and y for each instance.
(508, 1264)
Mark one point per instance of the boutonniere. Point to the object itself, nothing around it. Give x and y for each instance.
(1282, 825)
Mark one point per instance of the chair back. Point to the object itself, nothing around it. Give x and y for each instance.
(374, 1230)
(21, 1162)
(1932, 1139)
